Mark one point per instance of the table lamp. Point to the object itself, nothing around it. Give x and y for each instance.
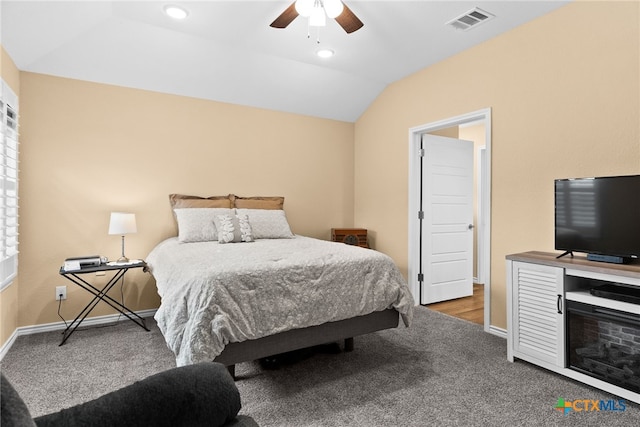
(122, 223)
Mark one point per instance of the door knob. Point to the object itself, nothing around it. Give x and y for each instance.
(470, 226)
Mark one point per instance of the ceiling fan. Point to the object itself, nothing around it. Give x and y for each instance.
(317, 11)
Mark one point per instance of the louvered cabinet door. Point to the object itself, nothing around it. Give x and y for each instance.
(537, 312)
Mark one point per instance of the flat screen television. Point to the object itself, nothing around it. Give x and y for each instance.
(598, 216)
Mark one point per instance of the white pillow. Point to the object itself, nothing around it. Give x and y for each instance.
(268, 223)
(233, 228)
(196, 224)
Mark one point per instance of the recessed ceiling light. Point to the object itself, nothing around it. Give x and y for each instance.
(325, 53)
(176, 12)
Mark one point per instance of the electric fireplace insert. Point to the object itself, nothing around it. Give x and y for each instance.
(604, 343)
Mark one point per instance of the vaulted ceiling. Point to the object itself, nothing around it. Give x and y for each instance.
(226, 51)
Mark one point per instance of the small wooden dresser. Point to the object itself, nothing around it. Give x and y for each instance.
(350, 236)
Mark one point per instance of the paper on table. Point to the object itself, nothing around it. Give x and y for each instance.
(130, 262)
(71, 265)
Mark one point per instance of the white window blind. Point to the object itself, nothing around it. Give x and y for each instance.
(8, 186)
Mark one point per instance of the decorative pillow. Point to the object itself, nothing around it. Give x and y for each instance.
(268, 223)
(233, 228)
(197, 224)
(257, 202)
(180, 201)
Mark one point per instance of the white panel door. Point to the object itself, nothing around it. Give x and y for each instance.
(447, 237)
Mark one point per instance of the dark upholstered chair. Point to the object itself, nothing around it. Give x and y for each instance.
(203, 394)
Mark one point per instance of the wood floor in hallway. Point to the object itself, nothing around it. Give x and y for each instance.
(468, 308)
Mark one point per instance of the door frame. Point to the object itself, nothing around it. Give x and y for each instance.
(484, 212)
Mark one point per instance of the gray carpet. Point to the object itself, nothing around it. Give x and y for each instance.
(442, 371)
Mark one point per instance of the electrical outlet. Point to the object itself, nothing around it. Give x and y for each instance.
(61, 292)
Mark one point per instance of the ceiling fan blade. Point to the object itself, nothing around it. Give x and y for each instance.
(349, 21)
(285, 17)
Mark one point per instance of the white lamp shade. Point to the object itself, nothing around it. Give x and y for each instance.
(122, 223)
(318, 18)
(304, 7)
(333, 8)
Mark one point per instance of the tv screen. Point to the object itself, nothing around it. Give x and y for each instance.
(598, 215)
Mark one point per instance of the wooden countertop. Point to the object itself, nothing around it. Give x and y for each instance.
(578, 262)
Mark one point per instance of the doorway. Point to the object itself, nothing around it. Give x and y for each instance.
(482, 271)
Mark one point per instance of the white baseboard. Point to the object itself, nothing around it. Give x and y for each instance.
(494, 330)
(5, 348)
(61, 326)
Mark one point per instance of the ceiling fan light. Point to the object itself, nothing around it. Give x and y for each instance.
(318, 18)
(176, 12)
(325, 53)
(304, 7)
(333, 8)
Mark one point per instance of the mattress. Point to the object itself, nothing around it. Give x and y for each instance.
(213, 294)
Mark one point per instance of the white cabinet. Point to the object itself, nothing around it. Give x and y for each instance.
(538, 288)
(536, 325)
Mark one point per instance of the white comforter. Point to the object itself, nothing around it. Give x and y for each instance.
(213, 294)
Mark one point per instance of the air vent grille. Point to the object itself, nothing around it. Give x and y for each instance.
(470, 19)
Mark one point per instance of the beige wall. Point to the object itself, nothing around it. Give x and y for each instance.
(9, 71)
(9, 296)
(564, 92)
(565, 97)
(88, 149)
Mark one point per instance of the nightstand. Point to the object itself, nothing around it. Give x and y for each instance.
(350, 236)
(118, 270)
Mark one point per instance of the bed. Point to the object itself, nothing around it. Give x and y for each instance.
(271, 293)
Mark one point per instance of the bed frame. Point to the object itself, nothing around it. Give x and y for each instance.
(307, 337)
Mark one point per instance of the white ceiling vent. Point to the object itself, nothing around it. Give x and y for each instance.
(470, 19)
